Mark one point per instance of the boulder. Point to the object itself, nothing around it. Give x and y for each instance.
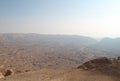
(9, 72)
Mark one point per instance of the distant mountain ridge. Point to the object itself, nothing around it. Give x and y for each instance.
(63, 40)
(109, 45)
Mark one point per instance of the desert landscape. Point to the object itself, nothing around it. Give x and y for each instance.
(59, 40)
(35, 57)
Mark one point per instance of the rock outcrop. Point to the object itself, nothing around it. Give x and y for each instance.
(96, 63)
(109, 66)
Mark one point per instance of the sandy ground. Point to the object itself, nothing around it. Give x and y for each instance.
(59, 75)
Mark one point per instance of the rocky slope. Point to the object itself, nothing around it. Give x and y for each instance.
(93, 70)
(108, 66)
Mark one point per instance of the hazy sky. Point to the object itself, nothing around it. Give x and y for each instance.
(96, 18)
